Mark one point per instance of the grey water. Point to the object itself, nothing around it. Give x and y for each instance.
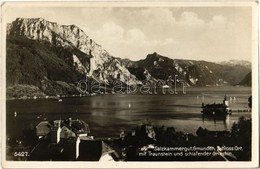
(109, 114)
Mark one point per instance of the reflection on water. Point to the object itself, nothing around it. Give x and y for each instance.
(218, 120)
(108, 115)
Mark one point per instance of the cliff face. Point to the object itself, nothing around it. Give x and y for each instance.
(47, 58)
(100, 66)
(63, 35)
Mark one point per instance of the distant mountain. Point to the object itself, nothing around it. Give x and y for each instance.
(45, 58)
(233, 62)
(193, 73)
(247, 81)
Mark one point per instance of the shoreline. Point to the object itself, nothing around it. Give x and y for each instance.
(159, 144)
(160, 92)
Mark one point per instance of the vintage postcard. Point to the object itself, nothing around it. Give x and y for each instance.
(129, 84)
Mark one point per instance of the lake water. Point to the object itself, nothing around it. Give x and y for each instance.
(108, 115)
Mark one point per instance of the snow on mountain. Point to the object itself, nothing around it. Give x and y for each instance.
(234, 62)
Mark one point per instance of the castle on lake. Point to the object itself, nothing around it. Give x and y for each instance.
(216, 109)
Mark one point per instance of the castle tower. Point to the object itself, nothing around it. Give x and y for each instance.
(225, 101)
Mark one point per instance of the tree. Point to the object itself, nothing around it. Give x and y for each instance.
(250, 102)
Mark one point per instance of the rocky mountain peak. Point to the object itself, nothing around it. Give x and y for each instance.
(102, 66)
(153, 56)
(41, 29)
(70, 54)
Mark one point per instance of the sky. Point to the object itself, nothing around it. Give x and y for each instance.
(197, 33)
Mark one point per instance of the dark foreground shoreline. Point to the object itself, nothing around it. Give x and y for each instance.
(151, 143)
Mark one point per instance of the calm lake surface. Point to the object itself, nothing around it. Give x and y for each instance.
(108, 115)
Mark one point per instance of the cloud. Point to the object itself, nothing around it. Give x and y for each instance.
(211, 33)
(125, 43)
(191, 19)
(135, 35)
(158, 16)
(218, 22)
(109, 32)
(186, 35)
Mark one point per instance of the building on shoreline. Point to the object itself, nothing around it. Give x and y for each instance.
(69, 140)
(219, 109)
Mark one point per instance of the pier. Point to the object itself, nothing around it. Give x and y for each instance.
(240, 110)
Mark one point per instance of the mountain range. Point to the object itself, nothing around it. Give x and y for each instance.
(45, 58)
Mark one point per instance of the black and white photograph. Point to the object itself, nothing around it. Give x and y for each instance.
(129, 84)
